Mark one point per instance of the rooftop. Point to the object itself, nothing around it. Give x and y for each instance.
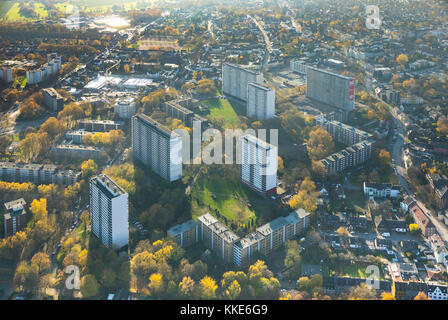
(181, 228)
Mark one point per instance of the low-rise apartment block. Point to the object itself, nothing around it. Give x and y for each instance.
(424, 223)
(99, 125)
(298, 66)
(439, 185)
(180, 109)
(381, 190)
(76, 151)
(37, 173)
(185, 234)
(341, 132)
(349, 157)
(270, 236)
(77, 136)
(217, 237)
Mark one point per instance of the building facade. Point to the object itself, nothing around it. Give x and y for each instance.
(52, 99)
(184, 234)
(424, 223)
(260, 101)
(298, 66)
(270, 236)
(332, 89)
(6, 74)
(217, 237)
(258, 166)
(37, 173)
(109, 212)
(125, 108)
(99, 125)
(157, 147)
(236, 78)
(14, 217)
(76, 151)
(381, 190)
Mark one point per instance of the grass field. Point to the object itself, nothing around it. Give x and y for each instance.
(10, 10)
(230, 197)
(4, 8)
(222, 112)
(345, 269)
(13, 13)
(40, 10)
(223, 191)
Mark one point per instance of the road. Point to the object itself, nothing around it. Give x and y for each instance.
(397, 156)
(266, 39)
(210, 28)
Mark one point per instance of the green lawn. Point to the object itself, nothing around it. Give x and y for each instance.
(40, 10)
(222, 112)
(231, 197)
(4, 8)
(13, 13)
(345, 269)
(222, 190)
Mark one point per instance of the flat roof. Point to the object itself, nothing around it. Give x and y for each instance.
(15, 204)
(254, 140)
(249, 239)
(181, 228)
(109, 187)
(207, 219)
(274, 225)
(236, 66)
(154, 124)
(259, 86)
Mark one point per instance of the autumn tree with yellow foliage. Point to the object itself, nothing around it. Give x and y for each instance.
(307, 196)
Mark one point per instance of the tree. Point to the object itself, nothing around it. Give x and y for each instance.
(234, 290)
(26, 276)
(187, 287)
(402, 59)
(361, 292)
(307, 196)
(414, 228)
(320, 144)
(156, 284)
(41, 261)
(89, 286)
(206, 86)
(88, 168)
(292, 259)
(85, 220)
(39, 209)
(387, 296)
(442, 125)
(384, 157)
(342, 231)
(52, 126)
(421, 296)
(207, 288)
(280, 164)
